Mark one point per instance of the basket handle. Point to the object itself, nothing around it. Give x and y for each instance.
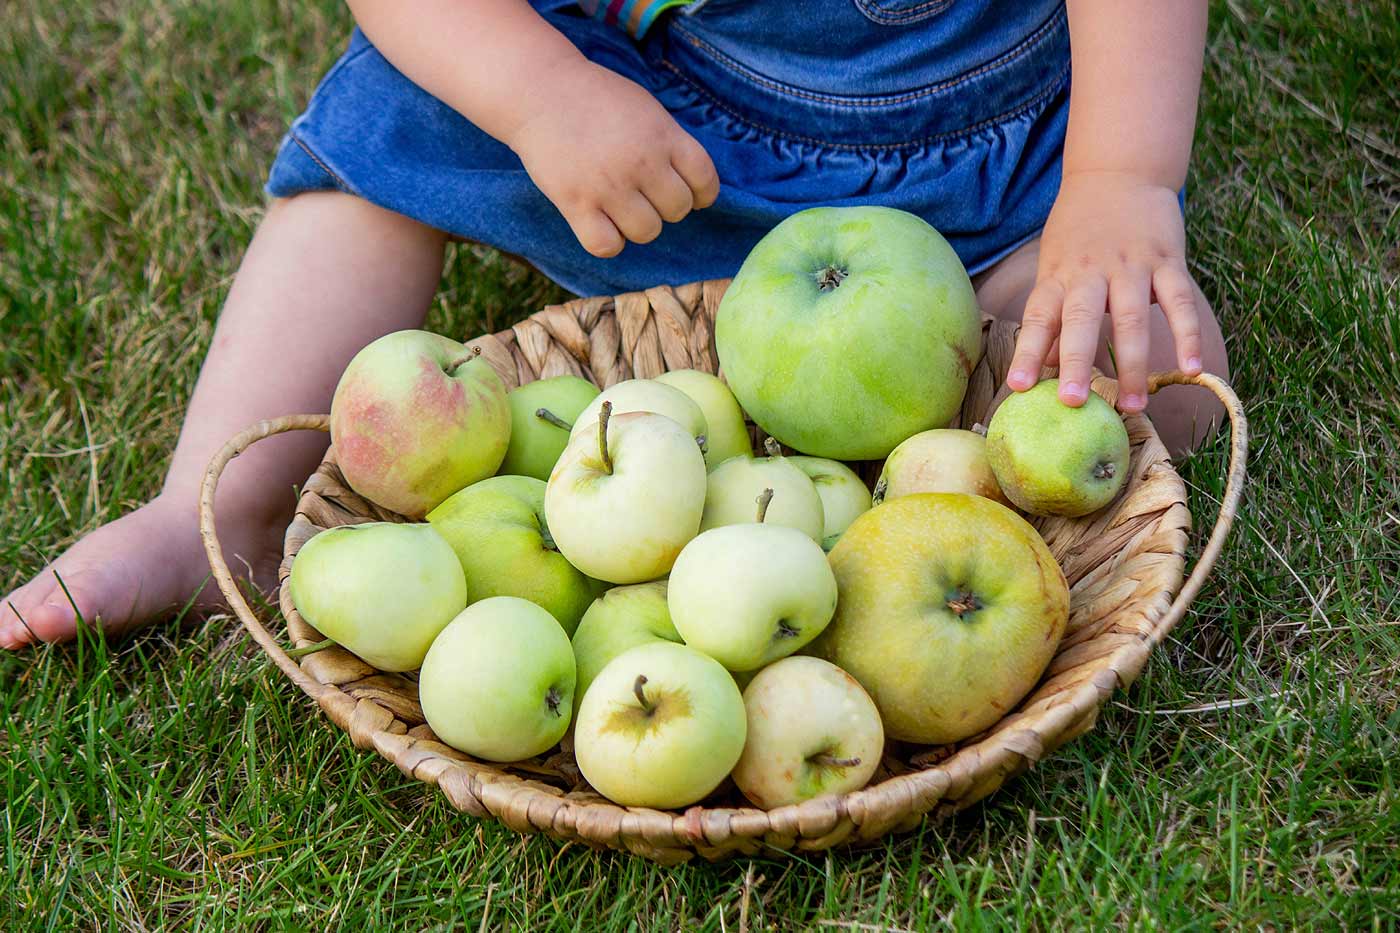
(241, 442)
(1234, 487)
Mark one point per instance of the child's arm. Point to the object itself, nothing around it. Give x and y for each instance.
(1115, 237)
(601, 148)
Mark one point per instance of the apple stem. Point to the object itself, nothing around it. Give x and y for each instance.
(704, 441)
(549, 417)
(546, 539)
(764, 498)
(882, 486)
(772, 447)
(452, 366)
(829, 761)
(310, 649)
(637, 686)
(1105, 471)
(603, 416)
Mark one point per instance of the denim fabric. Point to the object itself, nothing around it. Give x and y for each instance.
(952, 109)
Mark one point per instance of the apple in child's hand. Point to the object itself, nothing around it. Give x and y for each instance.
(381, 590)
(416, 417)
(498, 683)
(644, 395)
(847, 329)
(736, 483)
(726, 433)
(625, 497)
(951, 608)
(541, 415)
(622, 618)
(812, 730)
(1052, 459)
(498, 530)
(749, 594)
(844, 495)
(942, 460)
(660, 726)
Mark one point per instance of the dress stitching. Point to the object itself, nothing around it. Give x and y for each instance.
(882, 17)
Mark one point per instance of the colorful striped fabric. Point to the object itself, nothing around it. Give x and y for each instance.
(635, 16)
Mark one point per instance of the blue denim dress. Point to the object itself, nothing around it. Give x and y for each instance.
(952, 109)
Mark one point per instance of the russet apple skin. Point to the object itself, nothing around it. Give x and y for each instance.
(1052, 459)
(622, 618)
(731, 495)
(812, 730)
(726, 433)
(941, 460)
(535, 444)
(632, 395)
(844, 495)
(629, 525)
(381, 590)
(935, 675)
(408, 434)
(677, 752)
(850, 371)
(497, 529)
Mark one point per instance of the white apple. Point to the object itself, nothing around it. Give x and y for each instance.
(625, 498)
(643, 395)
(380, 589)
(660, 726)
(813, 730)
(622, 618)
(736, 483)
(726, 433)
(844, 495)
(941, 460)
(498, 683)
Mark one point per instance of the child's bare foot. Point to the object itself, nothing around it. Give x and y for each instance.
(134, 570)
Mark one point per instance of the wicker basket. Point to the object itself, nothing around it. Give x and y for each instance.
(1124, 564)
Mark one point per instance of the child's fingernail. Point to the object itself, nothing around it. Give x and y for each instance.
(1134, 402)
(1194, 363)
(1019, 377)
(1074, 390)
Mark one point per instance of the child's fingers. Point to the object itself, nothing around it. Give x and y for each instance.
(693, 164)
(1040, 323)
(1079, 337)
(669, 194)
(1128, 296)
(634, 217)
(596, 233)
(1177, 297)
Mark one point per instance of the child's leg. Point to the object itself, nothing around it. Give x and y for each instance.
(1183, 415)
(326, 274)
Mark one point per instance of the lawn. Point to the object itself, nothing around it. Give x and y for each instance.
(176, 779)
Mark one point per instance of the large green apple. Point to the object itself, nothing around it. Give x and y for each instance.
(497, 527)
(660, 726)
(951, 608)
(417, 417)
(726, 433)
(812, 730)
(1051, 459)
(734, 486)
(381, 590)
(622, 618)
(498, 683)
(941, 460)
(844, 495)
(541, 414)
(848, 329)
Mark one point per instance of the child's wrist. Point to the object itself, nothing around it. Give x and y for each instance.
(1147, 177)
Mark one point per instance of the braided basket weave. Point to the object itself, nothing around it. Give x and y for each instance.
(1124, 564)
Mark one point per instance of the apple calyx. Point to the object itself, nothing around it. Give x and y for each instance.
(648, 708)
(553, 700)
(882, 486)
(704, 441)
(604, 414)
(549, 417)
(772, 447)
(546, 539)
(1105, 470)
(763, 499)
(829, 277)
(784, 631)
(825, 760)
(964, 601)
(452, 367)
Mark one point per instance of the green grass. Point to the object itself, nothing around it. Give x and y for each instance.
(176, 779)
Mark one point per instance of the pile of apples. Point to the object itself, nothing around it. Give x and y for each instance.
(622, 567)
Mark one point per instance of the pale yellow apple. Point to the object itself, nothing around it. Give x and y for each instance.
(941, 460)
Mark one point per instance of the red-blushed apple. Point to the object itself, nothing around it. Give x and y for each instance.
(416, 417)
(726, 433)
(844, 495)
(381, 590)
(627, 496)
(941, 460)
(661, 726)
(951, 608)
(812, 730)
(736, 483)
(541, 415)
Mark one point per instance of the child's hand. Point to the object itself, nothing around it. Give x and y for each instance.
(611, 158)
(1114, 241)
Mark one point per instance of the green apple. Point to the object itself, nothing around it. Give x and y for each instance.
(660, 726)
(541, 416)
(844, 495)
(735, 485)
(625, 498)
(622, 618)
(951, 608)
(498, 530)
(847, 329)
(747, 595)
(941, 460)
(812, 730)
(380, 589)
(1051, 459)
(498, 683)
(726, 433)
(416, 417)
(644, 395)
